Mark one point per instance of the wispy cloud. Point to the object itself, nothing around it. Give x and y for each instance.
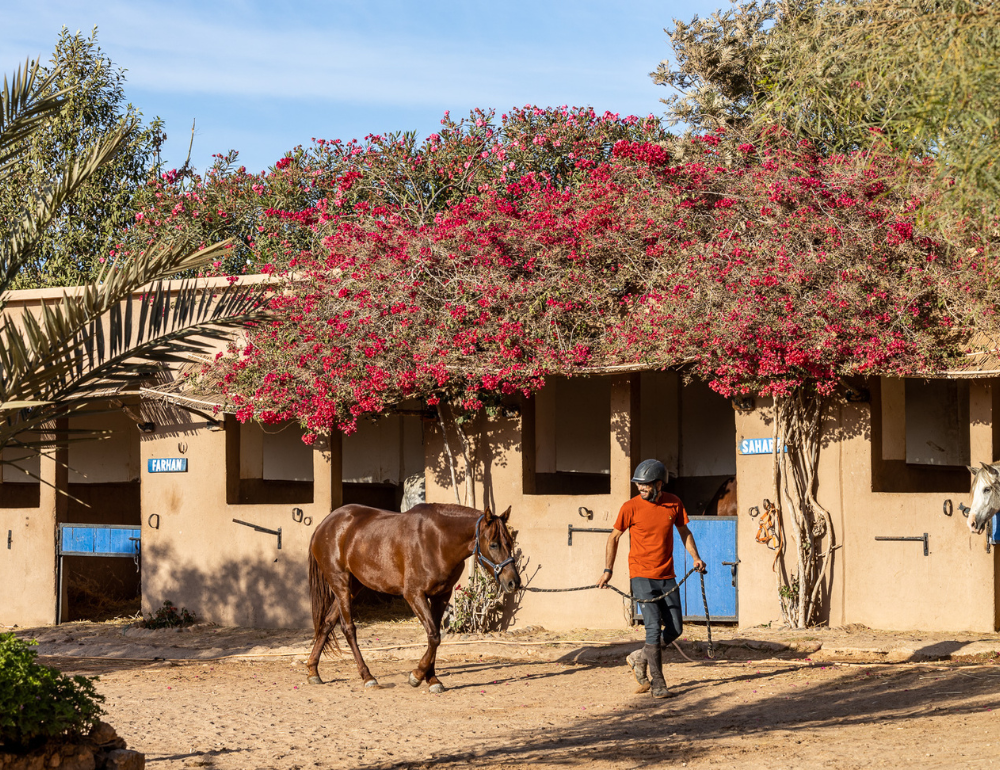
(329, 57)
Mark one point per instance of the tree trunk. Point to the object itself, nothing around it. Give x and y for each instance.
(798, 424)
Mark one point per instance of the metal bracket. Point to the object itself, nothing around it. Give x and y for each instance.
(257, 528)
(586, 513)
(924, 538)
(572, 529)
(732, 568)
(10, 534)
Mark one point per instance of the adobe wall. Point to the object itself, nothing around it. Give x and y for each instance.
(197, 557)
(28, 564)
(882, 584)
(542, 521)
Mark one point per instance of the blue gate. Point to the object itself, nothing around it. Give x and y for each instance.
(716, 540)
(113, 540)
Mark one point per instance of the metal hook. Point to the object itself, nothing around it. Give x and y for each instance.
(948, 507)
(586, 513)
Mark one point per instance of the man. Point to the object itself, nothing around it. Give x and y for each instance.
(650, 518)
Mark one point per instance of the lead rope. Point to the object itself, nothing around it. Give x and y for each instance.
(704, 599)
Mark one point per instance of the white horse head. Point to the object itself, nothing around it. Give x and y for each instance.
(985, 496)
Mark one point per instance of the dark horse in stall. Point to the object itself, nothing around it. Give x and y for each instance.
(723, 502)
(418, 555)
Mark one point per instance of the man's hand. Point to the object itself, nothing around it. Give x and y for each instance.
(700, 566)
(604, 579)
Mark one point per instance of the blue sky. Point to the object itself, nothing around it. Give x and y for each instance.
(262, 77)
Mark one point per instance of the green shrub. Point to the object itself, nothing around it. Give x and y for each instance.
(168, 616)
(38, 703)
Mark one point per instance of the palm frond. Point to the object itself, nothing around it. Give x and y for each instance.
(25, 102)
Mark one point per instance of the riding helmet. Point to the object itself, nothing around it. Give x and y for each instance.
(649, 471)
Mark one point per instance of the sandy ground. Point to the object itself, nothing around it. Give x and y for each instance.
(771, 699)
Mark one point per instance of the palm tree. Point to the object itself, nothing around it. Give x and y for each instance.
(97, 338)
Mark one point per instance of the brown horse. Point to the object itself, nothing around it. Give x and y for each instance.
(419, 555)
(723, 502)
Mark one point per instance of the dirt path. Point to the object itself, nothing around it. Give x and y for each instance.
(543, 706)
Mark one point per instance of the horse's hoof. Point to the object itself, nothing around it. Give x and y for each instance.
(314, 679)
(414, 682)
(372, 684)
(437, 688)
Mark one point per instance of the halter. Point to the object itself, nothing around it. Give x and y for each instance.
(485, 561)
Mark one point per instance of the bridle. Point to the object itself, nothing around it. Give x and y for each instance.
(482, 559)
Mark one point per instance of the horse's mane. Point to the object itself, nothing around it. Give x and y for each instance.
(451, 509)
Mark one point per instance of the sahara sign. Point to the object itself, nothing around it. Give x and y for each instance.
(757, 446)
(168, 465)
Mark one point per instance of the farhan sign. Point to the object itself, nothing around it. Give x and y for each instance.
(168, 465)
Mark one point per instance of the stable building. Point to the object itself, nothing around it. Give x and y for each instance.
(182, 503)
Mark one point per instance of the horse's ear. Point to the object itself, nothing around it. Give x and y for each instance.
(972, 470)
(487, 514)
(505, 515)
(991, 470)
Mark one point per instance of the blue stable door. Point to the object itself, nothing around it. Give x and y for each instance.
(715, 537)
(716, 540)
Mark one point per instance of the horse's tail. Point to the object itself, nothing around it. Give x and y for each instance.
(323, 601)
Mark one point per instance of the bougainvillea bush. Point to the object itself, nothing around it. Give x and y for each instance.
(784, 268)
(272, 215)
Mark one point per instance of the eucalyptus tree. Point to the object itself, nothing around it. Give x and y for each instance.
(923, 73)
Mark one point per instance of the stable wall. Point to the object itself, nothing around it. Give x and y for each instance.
(881, 584)
(28, 554)
(505, 451)
(197, 557)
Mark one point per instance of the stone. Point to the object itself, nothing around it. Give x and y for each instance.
(124, 759)
(102, 734)
(80, 758)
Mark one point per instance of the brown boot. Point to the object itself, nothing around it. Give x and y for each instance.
(655, 659)
(637, 663)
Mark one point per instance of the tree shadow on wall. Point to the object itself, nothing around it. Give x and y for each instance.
(491, 442)
(270, 590)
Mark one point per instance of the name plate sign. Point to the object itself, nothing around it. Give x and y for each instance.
(168, 465)
(758, 446)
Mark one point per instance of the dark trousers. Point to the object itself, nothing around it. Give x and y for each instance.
(665, 613)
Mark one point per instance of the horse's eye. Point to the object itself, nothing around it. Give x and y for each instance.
(495, 546)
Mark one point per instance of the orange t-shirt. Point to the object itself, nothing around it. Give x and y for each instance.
(651, 531)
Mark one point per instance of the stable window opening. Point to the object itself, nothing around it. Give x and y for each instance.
(274, 466)
(920, 435)
(690, 429)
(383, 461)
(571, 440)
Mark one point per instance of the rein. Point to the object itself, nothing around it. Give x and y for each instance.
(704, 599)
(482, 559)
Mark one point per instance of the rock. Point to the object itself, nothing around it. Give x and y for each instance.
(123, 759)
(62, 756)
(79, 757)
(103, 734)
